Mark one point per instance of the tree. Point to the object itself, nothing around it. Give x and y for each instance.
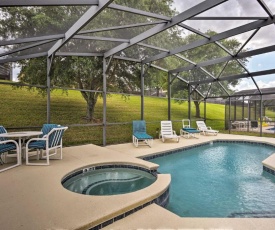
(203, 53)
(82, 72)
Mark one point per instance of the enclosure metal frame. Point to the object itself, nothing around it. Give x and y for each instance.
(163, 23)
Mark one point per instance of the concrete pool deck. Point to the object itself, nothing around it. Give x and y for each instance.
(32, 197)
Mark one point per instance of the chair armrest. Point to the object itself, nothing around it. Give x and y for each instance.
(9, 141)
(209, 127)
(174, 132)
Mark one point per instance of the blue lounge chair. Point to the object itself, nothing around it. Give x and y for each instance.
(139, 134)
(187, 131)
(6, 146)
(50, 141)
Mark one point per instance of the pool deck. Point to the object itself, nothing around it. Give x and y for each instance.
(32, 197)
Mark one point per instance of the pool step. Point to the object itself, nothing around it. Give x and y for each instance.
(264, 214)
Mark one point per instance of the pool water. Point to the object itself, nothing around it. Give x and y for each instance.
(220, 180)
(110, 181)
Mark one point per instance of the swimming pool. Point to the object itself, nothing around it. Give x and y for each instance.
(220, 180)
(108, 180)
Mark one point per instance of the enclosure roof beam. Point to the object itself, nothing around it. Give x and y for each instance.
(227, 58)
(83, 37)
(32, 39)
(9, 3)
(194, 30)
(18, 58)
(214, 38)
(158, 67)
(138, 12)
(265, 7)
(26, 47)
(120, 27)
(251, 95)
(69, 54)
(181, 79)
(126, 59)
(229, 18)
(90, 14)
(209, 74)
(60, 36)
(235, 77)
(240, 63)
(166, 50)
(152, 47)
(161, 27)
(245, 43)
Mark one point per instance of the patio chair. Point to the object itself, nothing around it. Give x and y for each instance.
(50, 141)
(187, 131)
(206, 130)
(3, 130)
(167, 131)
(6, 146)
(140, 135)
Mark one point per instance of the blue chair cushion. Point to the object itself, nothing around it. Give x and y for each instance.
(3, 130)
(142, 136)
(139, 126)
(37, 145)
(191, 130)
(47, 128)
(7, 147)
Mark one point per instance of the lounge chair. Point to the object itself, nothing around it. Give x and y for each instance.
(167, 131)
(206, 130)
(139, 134)
(50, 141)
(8, 145)
(187, 131)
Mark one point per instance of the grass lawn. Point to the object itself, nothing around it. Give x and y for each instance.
(23, 109)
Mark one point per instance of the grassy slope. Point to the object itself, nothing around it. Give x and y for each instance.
(24, 108)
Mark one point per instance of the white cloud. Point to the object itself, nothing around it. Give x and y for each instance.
(248, 84)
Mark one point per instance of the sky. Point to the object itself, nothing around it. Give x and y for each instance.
(266, 35)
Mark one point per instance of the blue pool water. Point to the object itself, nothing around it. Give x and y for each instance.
(220, 180)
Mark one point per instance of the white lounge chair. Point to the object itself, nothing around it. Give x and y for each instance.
(167, 131)
(206, 130)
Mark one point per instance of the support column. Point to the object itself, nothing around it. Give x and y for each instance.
(104, 96)
(49, 64)
(243, 110)
(204, 116)
(255, 112)
(261, 116)
(229, 115)
(249, 111)
(142, 93)
(189, 101)
(169, 96)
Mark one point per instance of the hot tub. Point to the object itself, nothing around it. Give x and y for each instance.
(109, 180)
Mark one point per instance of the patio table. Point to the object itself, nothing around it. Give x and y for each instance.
(20, 136)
